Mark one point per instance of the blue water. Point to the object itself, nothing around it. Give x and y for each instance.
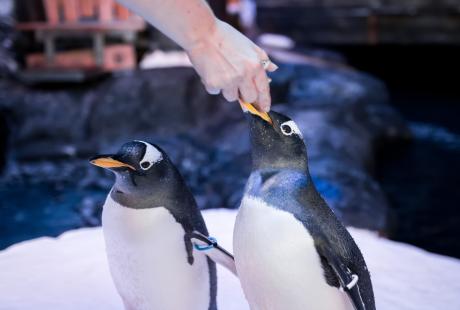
(33, 210)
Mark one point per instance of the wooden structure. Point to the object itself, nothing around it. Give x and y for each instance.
(362, 22)
(94, 19)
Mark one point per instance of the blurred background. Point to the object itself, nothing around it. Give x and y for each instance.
(372, 84)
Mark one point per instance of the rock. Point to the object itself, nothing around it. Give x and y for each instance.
(8, 64)
(4, 140)
(90, 211)
(341, 112)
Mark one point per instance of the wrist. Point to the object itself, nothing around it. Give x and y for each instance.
(204, 38)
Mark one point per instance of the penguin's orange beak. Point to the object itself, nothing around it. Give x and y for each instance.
(105, 161)
(251, 109)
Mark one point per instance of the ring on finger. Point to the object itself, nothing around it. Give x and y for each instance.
(265, 63)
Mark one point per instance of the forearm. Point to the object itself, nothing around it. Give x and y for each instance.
(187, 22)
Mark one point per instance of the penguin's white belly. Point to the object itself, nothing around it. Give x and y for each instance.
(277, 262)
(148, 260)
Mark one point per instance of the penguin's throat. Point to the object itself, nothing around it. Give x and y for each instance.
(127, 198)
(119, 192)
(279, 164)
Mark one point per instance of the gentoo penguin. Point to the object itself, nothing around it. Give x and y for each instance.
(291, 251)
(149, 219)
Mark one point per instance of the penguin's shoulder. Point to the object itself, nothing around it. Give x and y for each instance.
(283, 189)
(268, 183)
(293, 191)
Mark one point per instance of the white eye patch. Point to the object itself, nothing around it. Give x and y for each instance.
(152, 155)
(289, 128)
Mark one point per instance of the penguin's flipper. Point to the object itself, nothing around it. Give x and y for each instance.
(349, 282)
(213, 250)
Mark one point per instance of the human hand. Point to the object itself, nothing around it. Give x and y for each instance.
(228, 61)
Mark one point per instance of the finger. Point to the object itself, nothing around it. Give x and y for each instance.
(230, 93)
(248, 90)
(262, 85)
(261, 53)
(264, 102)
(212, 90)
(272, 67)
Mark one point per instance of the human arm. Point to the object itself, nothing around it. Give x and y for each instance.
(223, 57)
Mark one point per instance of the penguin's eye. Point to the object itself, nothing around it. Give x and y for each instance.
(286, 129)
(145, 165)
(151, 156)
(289, 128)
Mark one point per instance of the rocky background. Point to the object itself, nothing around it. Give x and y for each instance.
(357, 143)
(344, 115)
(47, 134)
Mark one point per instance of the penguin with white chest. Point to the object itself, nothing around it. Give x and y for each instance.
(149, 219)
(291, 252)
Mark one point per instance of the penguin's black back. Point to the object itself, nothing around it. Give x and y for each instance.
(294, 192)
(191, 219)
(193, 216)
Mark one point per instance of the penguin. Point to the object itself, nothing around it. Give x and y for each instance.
(291, 251)
(149, 220)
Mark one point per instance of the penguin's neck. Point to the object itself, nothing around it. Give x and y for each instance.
(276, 158)
(279, 164)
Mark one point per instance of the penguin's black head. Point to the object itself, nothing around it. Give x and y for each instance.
(276, 141)
(139, 167)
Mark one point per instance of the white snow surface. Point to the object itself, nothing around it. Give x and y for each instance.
(71, 272)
